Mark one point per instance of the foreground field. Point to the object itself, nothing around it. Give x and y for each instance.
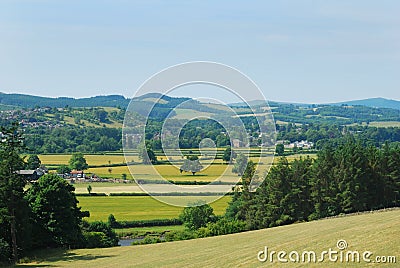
(376, 232)
(137, 207)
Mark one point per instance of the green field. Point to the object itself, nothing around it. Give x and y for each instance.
(377, 232)
(378, 124)
(137, 207)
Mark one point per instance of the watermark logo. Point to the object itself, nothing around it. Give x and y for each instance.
(151, 108)
(340, 254)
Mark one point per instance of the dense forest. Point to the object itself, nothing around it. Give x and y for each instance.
(349, 178)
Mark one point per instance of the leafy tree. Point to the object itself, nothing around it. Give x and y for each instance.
(229, 154)
(63, 169)
(89, 189)
(108, 239)
(33, 162)
(197, 215)
(56, 216)
(280, 149)
(191, 164)
(147, 155)
(112, 221)
(13, 208)
(240, 164)
(101, 115)
(242, 200)
(78, 162)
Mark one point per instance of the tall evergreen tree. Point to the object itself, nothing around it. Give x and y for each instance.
(33, 162)
(324, 187)
(13, 208)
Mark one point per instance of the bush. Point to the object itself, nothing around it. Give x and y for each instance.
(225, 226)
(180, 235)
(96, 240)
(148, 240)
(110, 239)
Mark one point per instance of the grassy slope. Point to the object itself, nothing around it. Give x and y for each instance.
(376, 232)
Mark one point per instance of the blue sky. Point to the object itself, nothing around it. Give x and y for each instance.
(297, 51)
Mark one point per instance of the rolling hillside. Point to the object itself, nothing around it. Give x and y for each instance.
(376, 232)
(29, 101)
(374, 102)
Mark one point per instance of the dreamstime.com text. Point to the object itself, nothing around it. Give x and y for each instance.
(340, 254)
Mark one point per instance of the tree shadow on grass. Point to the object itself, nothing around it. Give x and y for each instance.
(46, 257)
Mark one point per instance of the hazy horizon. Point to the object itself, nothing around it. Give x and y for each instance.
(186, 96)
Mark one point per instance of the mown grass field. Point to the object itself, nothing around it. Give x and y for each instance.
(377, 232)
(137, 207)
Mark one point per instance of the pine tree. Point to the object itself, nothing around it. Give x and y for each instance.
(33, 162)
(324, 187)
(13, 208)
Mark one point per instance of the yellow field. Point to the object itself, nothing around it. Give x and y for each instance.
(90, 159)
(169, 172)
(376, 232)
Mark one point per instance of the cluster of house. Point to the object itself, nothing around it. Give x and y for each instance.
(21, 115)
(35, 174)
(72, 177)
(32, 174)
(297, 144)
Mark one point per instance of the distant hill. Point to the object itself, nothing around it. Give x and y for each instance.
(29, 101)
(373, 102)
(163, 104)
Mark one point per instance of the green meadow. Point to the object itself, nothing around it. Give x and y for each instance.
(137, 207)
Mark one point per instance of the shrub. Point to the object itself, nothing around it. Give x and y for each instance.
(180, 235)
(96, 240)
(222, 227)
(110, 238)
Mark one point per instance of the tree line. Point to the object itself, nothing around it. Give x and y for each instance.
(46, 214)
(321, 134)
(349, 178)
